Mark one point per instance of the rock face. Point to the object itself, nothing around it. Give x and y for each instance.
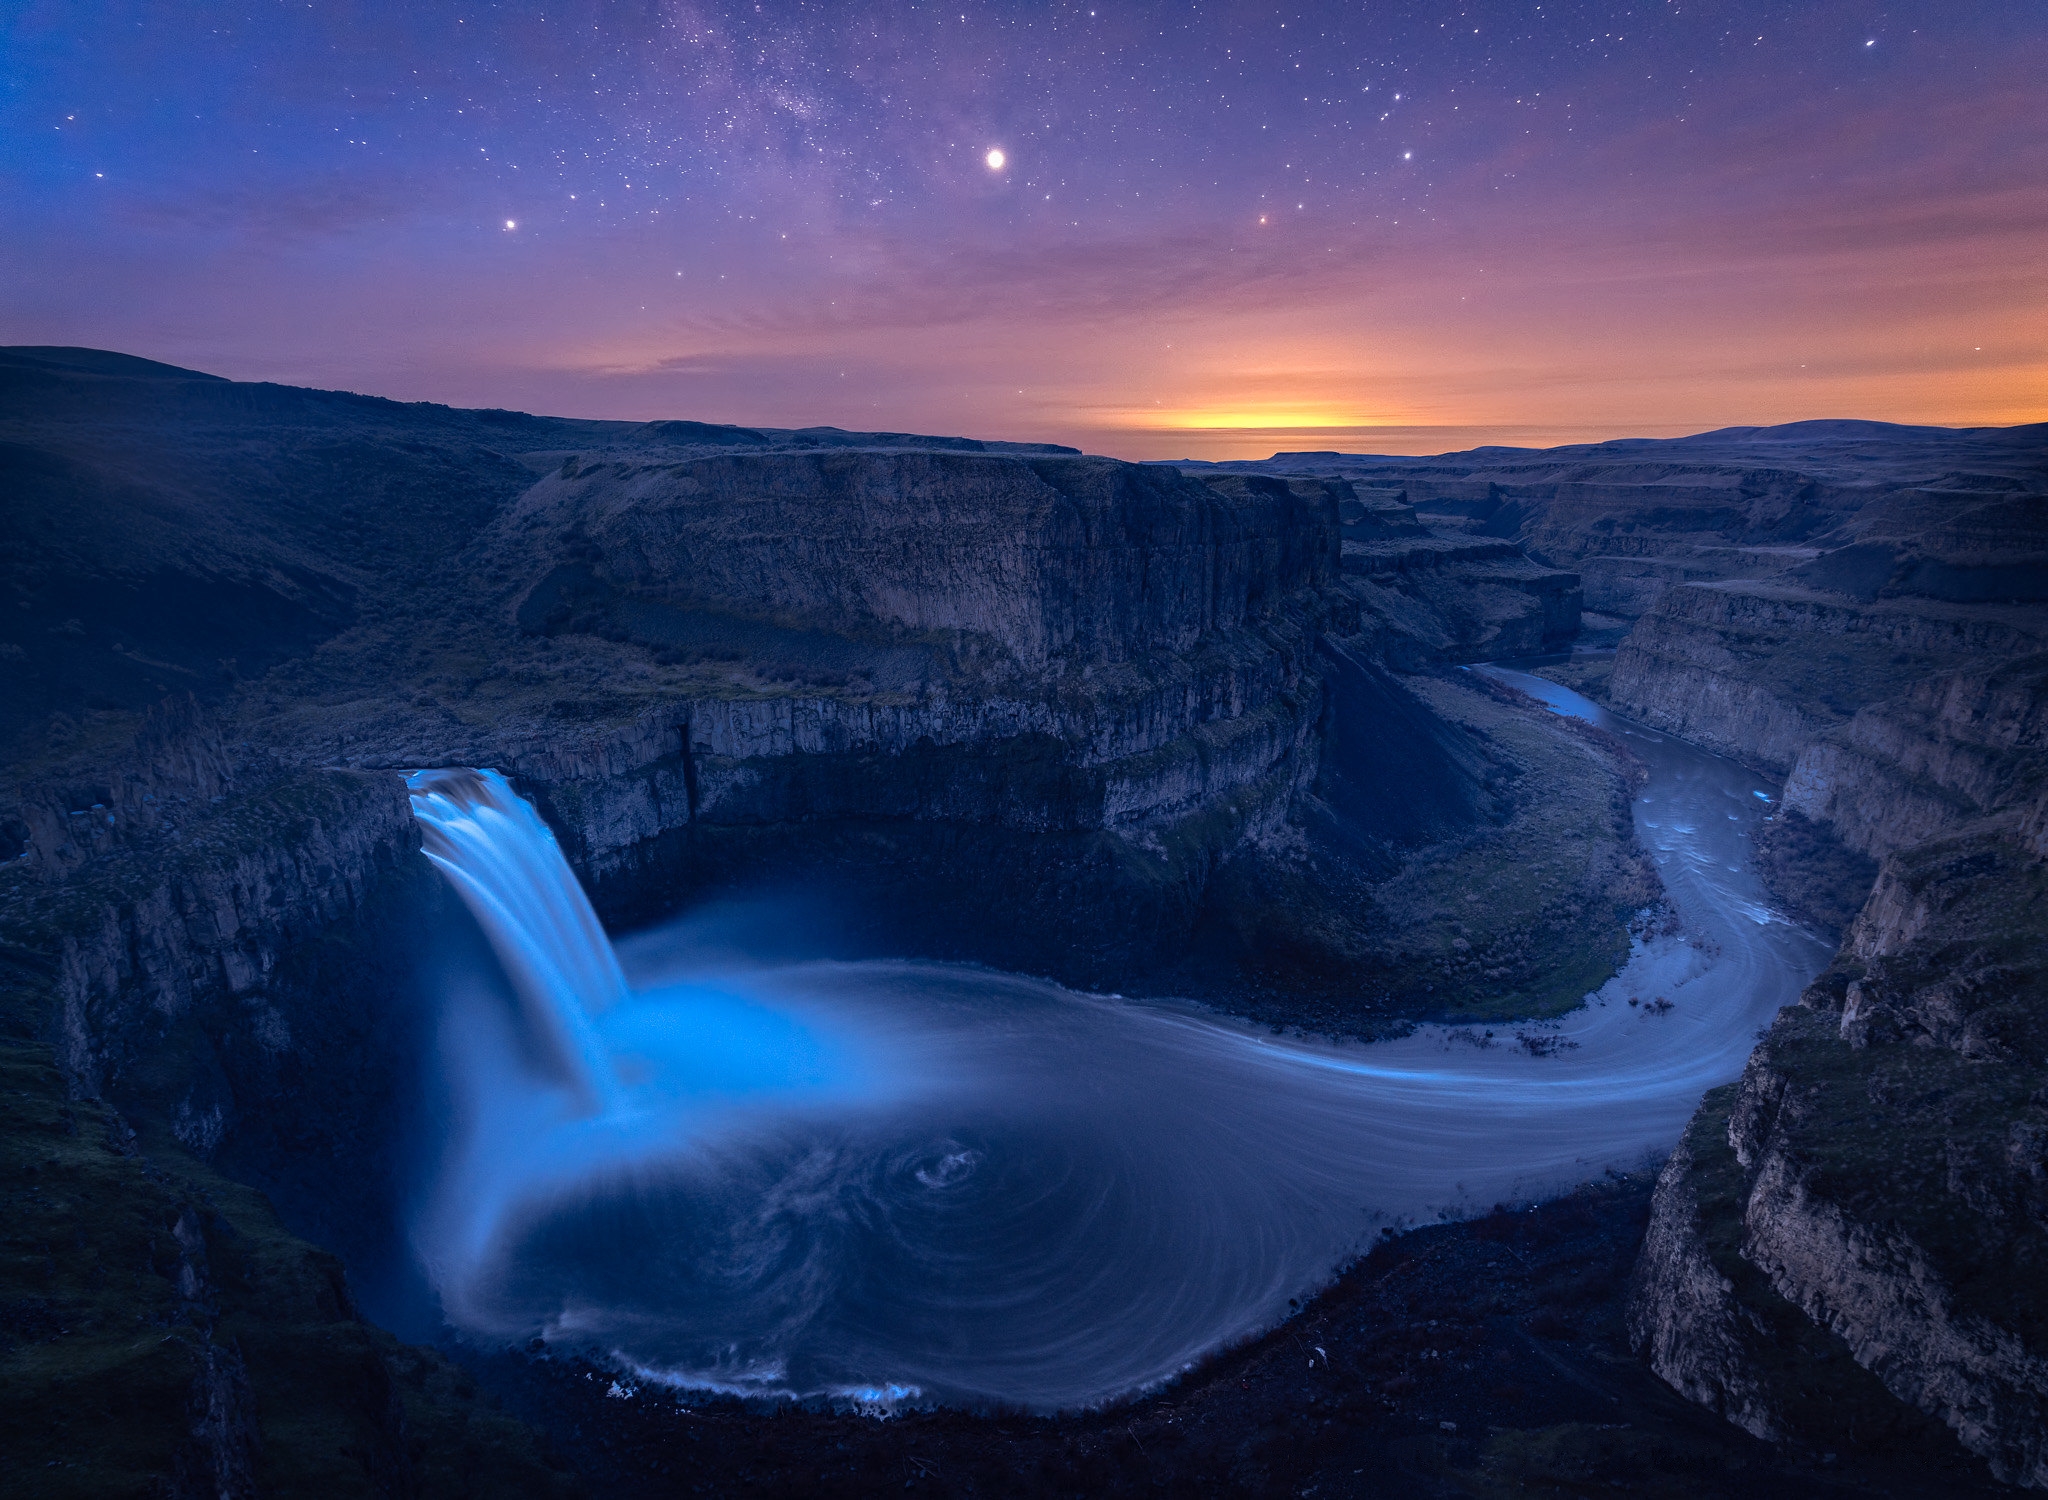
(1952, 750)
(1428, 594)
(1712, 1325)
(1874, 1187)
(1050, 562)
(1762, 670)
(1050, 650)
(1858, 1218)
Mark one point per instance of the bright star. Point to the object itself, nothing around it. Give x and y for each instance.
(995, 158)
(510, 224)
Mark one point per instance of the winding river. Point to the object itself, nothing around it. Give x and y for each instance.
(902, 1182)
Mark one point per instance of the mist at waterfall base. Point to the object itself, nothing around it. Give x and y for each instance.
(885, 1182)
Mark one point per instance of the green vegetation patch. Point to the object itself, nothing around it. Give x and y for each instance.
(161, 1332)
(1811, 1381)
(1587, 675)
(1817, 878)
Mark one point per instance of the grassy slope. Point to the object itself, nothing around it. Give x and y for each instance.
(133, 1278)
(1513, 920)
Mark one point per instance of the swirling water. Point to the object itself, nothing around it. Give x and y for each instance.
(903, 1181)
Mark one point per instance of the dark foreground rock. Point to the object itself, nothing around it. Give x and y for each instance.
(163, 1335)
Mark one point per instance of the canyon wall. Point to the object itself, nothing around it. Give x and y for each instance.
(1028, 652)
(1870, 1197)
(1761, 671)
(1847, 1243)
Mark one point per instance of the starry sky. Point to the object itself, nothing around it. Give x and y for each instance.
(1207, 228)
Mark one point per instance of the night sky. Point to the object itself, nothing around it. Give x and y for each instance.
(1212, 229)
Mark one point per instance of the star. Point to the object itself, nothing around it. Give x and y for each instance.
(995, 158)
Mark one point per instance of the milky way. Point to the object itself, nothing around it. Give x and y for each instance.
(1211, 223)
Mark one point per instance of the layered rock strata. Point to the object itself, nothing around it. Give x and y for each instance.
(1866, 508)
(1089, 682)
(1762, 670)
(1426, 595)
(1856, 1218)
(1872, 1192)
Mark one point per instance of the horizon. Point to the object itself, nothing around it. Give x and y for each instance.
(1397, 442)
(1145, 230)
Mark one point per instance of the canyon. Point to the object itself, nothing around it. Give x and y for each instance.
(1172, 730)
(1841, 1250)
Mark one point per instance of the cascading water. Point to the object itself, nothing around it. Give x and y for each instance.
(883, 1180)
(504, 863)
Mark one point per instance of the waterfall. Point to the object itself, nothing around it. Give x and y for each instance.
(504, 862)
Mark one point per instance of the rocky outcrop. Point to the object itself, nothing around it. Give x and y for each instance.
(1713, 1327)
(162, 1334)
(1873, 1179)
(1761, 670)
(211, 916)
(1879, 1169)
(74, 811)
(1951, 750)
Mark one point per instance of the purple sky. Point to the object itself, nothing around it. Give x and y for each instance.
(1216, 229)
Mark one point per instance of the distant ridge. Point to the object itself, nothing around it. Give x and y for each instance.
(101, 362)
(55, 360)
(1820, 437)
